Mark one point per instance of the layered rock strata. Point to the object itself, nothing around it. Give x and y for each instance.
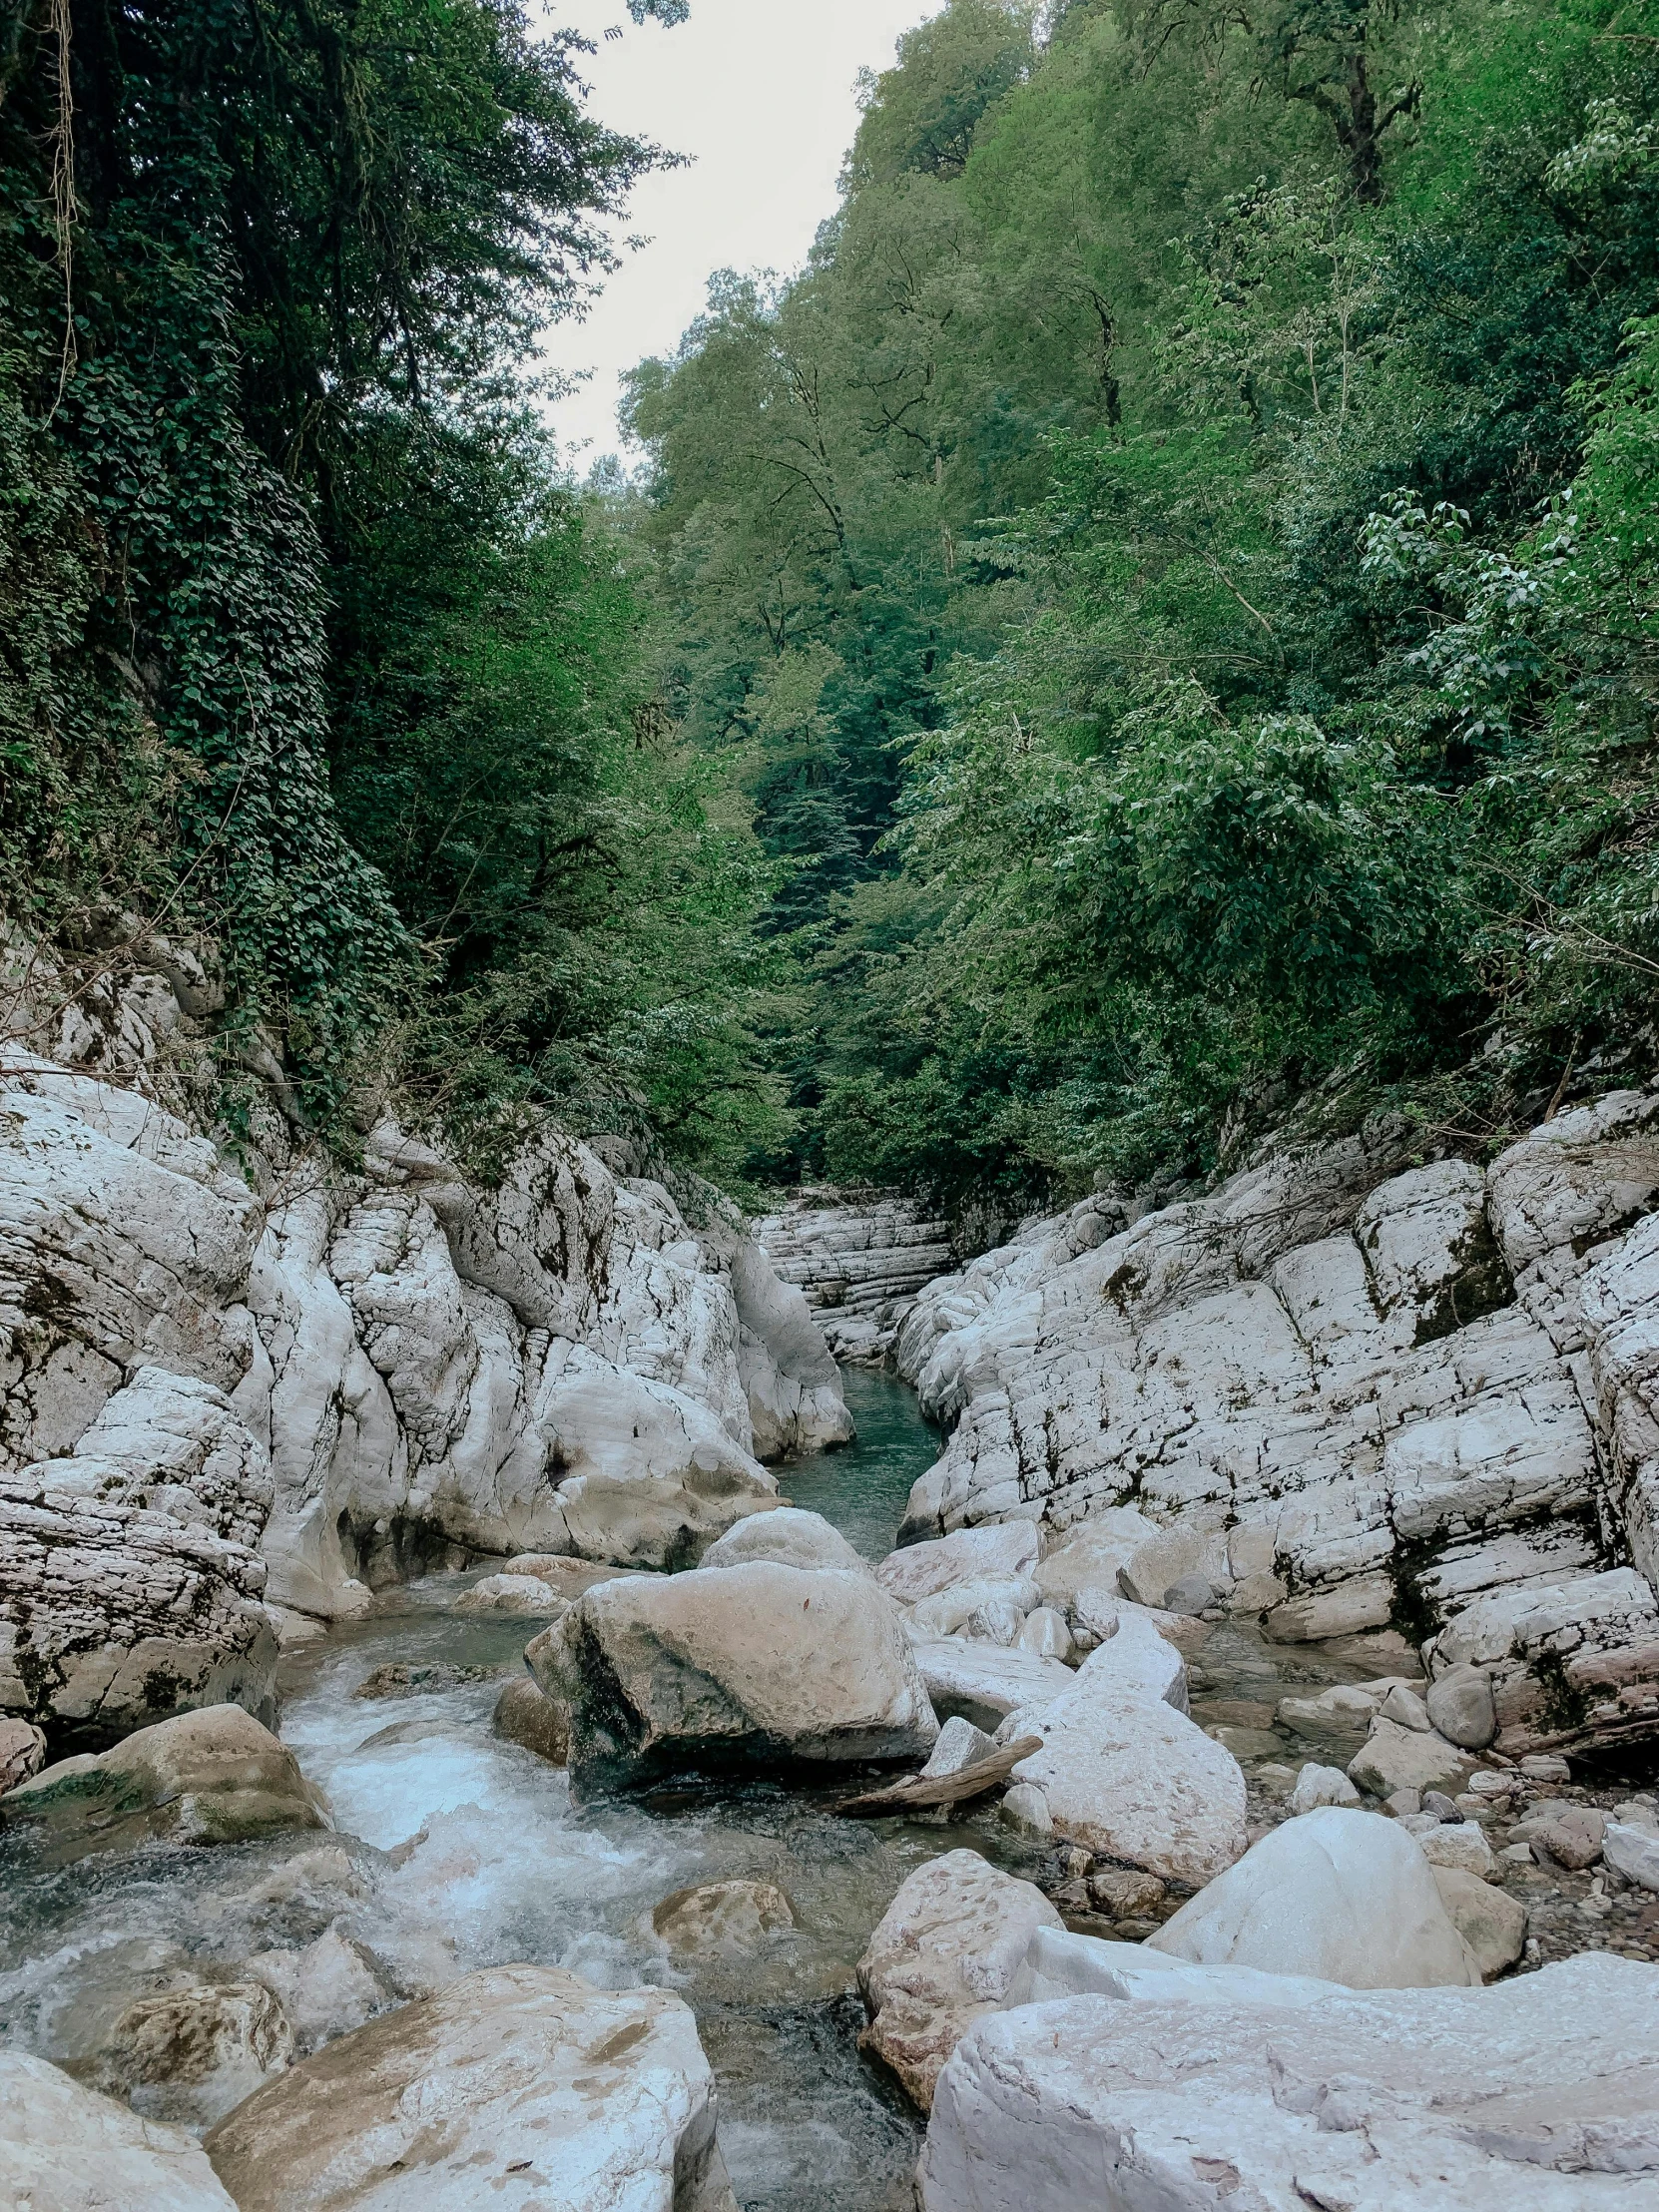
(1338, 1395)
(861, 1257)
(227, 1398)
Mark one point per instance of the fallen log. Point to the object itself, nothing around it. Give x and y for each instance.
(918, 1792)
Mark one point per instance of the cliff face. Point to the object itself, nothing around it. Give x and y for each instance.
(1349, 1396)
(222, 1400)
(861, 1257)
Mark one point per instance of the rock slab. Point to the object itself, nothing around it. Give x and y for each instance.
(1541, 2095)
(519, 2087)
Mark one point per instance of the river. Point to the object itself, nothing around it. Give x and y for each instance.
(472, 1852)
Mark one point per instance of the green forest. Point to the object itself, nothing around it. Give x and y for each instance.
(1149, 639)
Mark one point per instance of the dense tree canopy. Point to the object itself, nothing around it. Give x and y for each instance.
(1150, 633)
(1162, 578)
(309, 642)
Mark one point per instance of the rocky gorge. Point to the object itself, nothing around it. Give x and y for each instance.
(448, 1728)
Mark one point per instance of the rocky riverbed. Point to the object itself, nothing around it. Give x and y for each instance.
(1272, 1656)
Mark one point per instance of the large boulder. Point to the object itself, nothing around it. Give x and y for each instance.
(942, 1956)
(1536, 2096)
(517, 2087)
(751, 1665)
(791, 1536)
(1125, 1773)
(1399, 1757)
(1339, 1894)
(211, 1777)
(64, 2148)
(129, 1578)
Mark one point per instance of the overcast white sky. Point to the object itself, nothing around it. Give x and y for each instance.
(760, 93)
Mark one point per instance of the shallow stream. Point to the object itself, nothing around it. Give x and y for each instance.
(473, 1853)
(466, 1852)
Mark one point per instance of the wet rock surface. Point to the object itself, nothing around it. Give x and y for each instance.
(213, 1777)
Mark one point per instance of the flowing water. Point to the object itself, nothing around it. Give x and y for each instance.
(468, 1852)
(465, 1850)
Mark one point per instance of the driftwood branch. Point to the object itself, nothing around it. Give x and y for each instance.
(919, 1791)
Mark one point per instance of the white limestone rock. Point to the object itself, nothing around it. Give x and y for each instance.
(1397, 1757)
(990, 1610)
(523, 1596)
(923, 1570)
(1058, 1963)
(1633, 1850)
(1536, 2096)
(1137, 1662)
(942, 1956)
(791, 1381)
(1338, 1895)
(214, 1775)
(1317, 1785)
(985, 1683)
(1325, 1384)
(1131, 1777)
(516, 2086)
(1090, 1555)
(859, 1258)
(1596, 1635)
(1427, 1247)
(130, 1586)
(1044, 1631)
(1459, 1705)
(1027, 1808)
(960, 1745)
(64, 2148)
(1460, 1843)
(124, 1244)
(791, 1537)
(1333, 1717)
(315, 1400)
(651, 1476)
(740, 1666)
(1492, 1923)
